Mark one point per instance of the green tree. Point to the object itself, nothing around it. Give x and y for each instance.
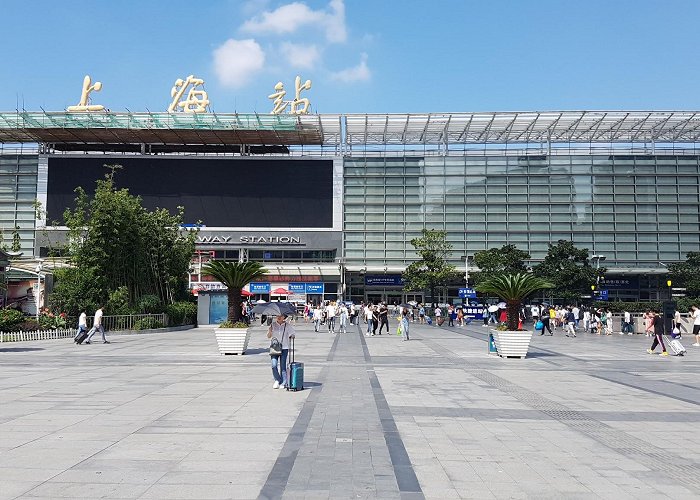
(513, 289)
(686, 274)
(433, 269)
(77, 289)
(568, 269)
(114, 237)
(16, 240)
(508, 259)
(235, 275)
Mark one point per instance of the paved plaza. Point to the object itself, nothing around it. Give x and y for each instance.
(164, 416)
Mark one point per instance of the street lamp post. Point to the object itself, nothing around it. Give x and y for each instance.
(668, 284)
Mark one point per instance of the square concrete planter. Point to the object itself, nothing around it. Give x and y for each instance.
(232, 340)
(512, 344)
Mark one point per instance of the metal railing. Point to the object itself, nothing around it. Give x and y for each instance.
(130, 321)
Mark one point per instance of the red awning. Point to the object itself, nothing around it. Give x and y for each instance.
(280, 291)
(246, 293)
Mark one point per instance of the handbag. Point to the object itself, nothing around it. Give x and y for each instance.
(276, 345)
(539, 325)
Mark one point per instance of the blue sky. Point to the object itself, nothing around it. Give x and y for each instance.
(362, 55)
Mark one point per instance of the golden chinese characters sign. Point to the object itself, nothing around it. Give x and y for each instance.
(298, 106)
(196, 101)
(84, 104)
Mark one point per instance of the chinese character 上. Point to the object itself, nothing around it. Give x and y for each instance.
(196, 101)
(84, 104)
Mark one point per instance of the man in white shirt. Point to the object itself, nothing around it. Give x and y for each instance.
(330, 316)
(97, 325)
(695, 314)
(82, 325)
(576, 312)
(627, 324)
(535, 311)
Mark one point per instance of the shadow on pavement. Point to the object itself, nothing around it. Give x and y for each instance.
(21, 349)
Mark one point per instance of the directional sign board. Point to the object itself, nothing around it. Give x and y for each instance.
(467, 293)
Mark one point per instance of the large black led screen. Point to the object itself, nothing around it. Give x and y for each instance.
(218, 192)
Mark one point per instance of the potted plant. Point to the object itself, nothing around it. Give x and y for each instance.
(233, 335)
(513, 288)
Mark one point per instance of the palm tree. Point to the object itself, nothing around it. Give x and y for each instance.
(235, 275)
(513, 288)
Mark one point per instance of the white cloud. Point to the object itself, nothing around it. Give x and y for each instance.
(300, 56)
(289, 18)
(237, 61)
(359, 73)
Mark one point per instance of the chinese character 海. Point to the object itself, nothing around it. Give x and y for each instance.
(196, 101)
(298, 106)
(84, 104)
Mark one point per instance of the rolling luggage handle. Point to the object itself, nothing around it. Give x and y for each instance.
(290, 360)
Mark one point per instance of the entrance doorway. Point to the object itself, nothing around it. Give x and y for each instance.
(415, 297)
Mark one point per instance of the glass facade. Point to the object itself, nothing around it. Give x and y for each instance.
(18, 193)
(637, 210)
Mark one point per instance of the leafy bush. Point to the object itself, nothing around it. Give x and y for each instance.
(50, 321)
(28, 326)
(118, 302)
(147, 324)
(76, 290)
(633, 307)
(150, 304)
(182, 313)
(9, 319)
(684, 303)
(231, 324)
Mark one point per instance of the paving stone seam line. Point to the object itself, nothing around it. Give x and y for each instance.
(278, 477)
(614, 439)
(627, 384)
(645, 389)
(400, 461)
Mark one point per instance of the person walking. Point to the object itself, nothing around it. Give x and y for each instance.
(318, 316)
(331, 311)
(570, 322)
(375, 320)
(626, 323)
(545, 320)
(368, 318)
(82, 325)
(404, 324)
(677, 325)
(657, 325)
(97, 326)
(535, 313)
(586, 320)
(421, 314)
(383, 318)
(576, 312)
(281, 331)
(343, 318)
(450, 315)
(695, 315)
(460, 316)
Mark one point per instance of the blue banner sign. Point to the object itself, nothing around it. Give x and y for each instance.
(316, 288)
(601, 294)
(383, 280)
(297, 287)
(467, 293)
(259, 288)
(620, 283)
(218, 308)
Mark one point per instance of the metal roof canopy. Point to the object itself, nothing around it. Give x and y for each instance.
(525, 127)
(352, 130)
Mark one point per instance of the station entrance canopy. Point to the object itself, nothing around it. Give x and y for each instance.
(341, 133)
